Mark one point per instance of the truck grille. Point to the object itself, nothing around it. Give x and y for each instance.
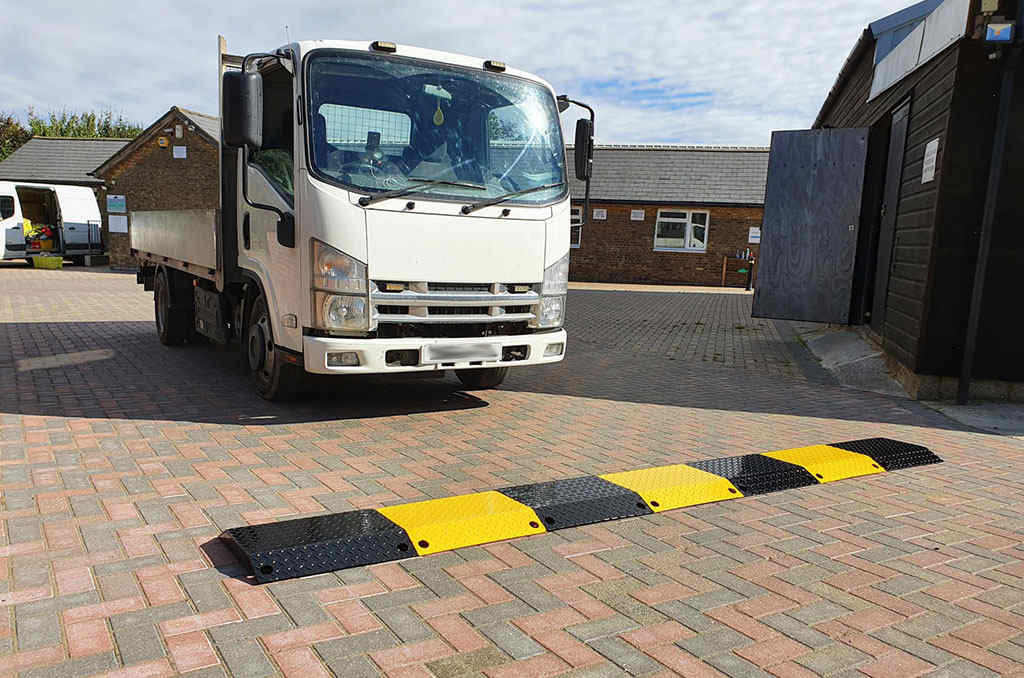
(453, 303)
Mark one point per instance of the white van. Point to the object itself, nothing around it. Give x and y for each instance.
(70, 211)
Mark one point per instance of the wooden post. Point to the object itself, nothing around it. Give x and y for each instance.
(725, 263)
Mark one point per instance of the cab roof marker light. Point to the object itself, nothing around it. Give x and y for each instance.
(383, 46)
(493, 65)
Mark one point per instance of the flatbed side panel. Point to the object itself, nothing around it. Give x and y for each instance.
(188, 236)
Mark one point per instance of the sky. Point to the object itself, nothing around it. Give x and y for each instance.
(655, 71)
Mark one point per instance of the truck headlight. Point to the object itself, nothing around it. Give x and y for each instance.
(556, 277)
(550, 312)
(336, 312)
(336, 271)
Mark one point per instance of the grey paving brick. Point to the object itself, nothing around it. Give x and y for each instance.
(962, 669)
(468, 663)
(511, 640)
(72, 668)
(634, 662)
(599, 628)
(832, 659)
(405, 624)
(400, 598)
(253, 628)
(797, 630)
(336, 650)
(205, 590)
(913, 646)
(737, 667)
(500, 612)
(707, 643)
(245, 658)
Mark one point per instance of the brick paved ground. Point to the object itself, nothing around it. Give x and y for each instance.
(122, 460)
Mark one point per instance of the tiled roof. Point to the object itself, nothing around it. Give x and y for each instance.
(59, 160)
(208, 123)
(682, 174)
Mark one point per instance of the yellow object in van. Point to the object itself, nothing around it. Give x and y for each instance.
(48, 262)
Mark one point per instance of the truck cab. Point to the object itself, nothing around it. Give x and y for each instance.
(390, 209)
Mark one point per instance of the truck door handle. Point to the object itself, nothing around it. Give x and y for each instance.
(245, 231)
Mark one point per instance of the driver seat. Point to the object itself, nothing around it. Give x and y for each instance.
(321, 149)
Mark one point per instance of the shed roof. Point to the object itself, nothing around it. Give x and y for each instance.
(59, 160)
(208, 126)
(710, 175)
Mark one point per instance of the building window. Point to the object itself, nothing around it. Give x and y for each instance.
(677, 231)
(6, 206)
(575, 227)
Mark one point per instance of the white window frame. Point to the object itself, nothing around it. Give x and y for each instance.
(689, 229)
(576, 221)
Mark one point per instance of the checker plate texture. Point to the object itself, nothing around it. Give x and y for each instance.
(756, 473)
(891, 454)
(578, 501)
(296, 548)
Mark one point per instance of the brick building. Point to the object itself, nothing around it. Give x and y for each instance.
(669, 214)
(172, 165)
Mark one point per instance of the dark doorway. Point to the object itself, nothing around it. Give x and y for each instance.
(890, 205)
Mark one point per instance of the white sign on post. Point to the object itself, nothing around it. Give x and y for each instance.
(755, 235)
(180, 152)
(931, 152)
(117, 223)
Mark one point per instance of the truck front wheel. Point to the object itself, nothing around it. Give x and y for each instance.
(273, 378)
(488, 377)
(173, 324)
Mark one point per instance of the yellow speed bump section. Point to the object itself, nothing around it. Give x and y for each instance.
(677, 486)
(453, 522)
(827, 463)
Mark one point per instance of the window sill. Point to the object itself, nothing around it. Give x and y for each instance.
(680, 249)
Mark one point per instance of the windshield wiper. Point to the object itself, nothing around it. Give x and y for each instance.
(368, 200)
(469, 209)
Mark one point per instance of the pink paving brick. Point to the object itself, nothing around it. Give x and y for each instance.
(738, 621)
(771, 652)
(871, 619)
(541, 666)
(487, 590)
(88, 638)
(160, 668)
(442, 606)
(350, 592)
(26, 659)
(765, 605)
(24, 596)
(458, 633)
(896, 663)
(74, 580)
(952, 590)
(191, 651)
(559, 618)
(657, 634)
(476, 568)
(682, 662)
(199, 622)
(354, 616)
(509, 554)
(253, 601)
(411, 653)
(301, 662)
(102, 610)
(394, 577)
(987, 633)
(302, 636)
(161, 590)
(571, 650)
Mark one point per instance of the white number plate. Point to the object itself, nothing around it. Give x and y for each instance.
(460, 353)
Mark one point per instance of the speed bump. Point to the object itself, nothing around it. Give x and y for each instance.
(307, 546)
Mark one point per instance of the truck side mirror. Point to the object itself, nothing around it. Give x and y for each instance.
(584, 150)
(243, 110)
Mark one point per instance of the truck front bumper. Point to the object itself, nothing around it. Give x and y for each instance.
(378, 356)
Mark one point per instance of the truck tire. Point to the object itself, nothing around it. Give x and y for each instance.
(78, 260)
(173, 323)
(273, 378)
(488, 377)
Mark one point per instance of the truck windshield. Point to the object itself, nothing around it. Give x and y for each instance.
(387, 123)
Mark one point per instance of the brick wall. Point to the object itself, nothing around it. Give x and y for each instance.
(620, 250)
(151, 178)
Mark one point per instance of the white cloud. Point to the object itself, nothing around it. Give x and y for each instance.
(755, 66)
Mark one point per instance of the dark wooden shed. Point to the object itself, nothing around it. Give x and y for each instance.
(921, 88)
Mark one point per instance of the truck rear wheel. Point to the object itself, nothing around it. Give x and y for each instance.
(273, 378)
(488, 377)
(173, 323)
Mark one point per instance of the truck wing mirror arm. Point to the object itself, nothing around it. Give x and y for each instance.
(583, 150)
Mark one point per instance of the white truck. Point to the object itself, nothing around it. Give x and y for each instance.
(69, 214)
(383, 209)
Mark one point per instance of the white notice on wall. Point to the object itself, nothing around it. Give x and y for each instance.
(636, 215)
(755, 235)
(931, 152)
(117, 223)
(600, 215)
(180, 152)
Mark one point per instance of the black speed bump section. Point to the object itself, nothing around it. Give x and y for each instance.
(578, 501)
(307, 546)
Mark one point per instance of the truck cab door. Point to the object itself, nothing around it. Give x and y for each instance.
(10, 222)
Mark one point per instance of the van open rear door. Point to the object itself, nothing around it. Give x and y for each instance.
(11, 224)
(80, 216)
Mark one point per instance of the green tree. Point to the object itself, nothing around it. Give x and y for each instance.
(67, 123)
(12, 134)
